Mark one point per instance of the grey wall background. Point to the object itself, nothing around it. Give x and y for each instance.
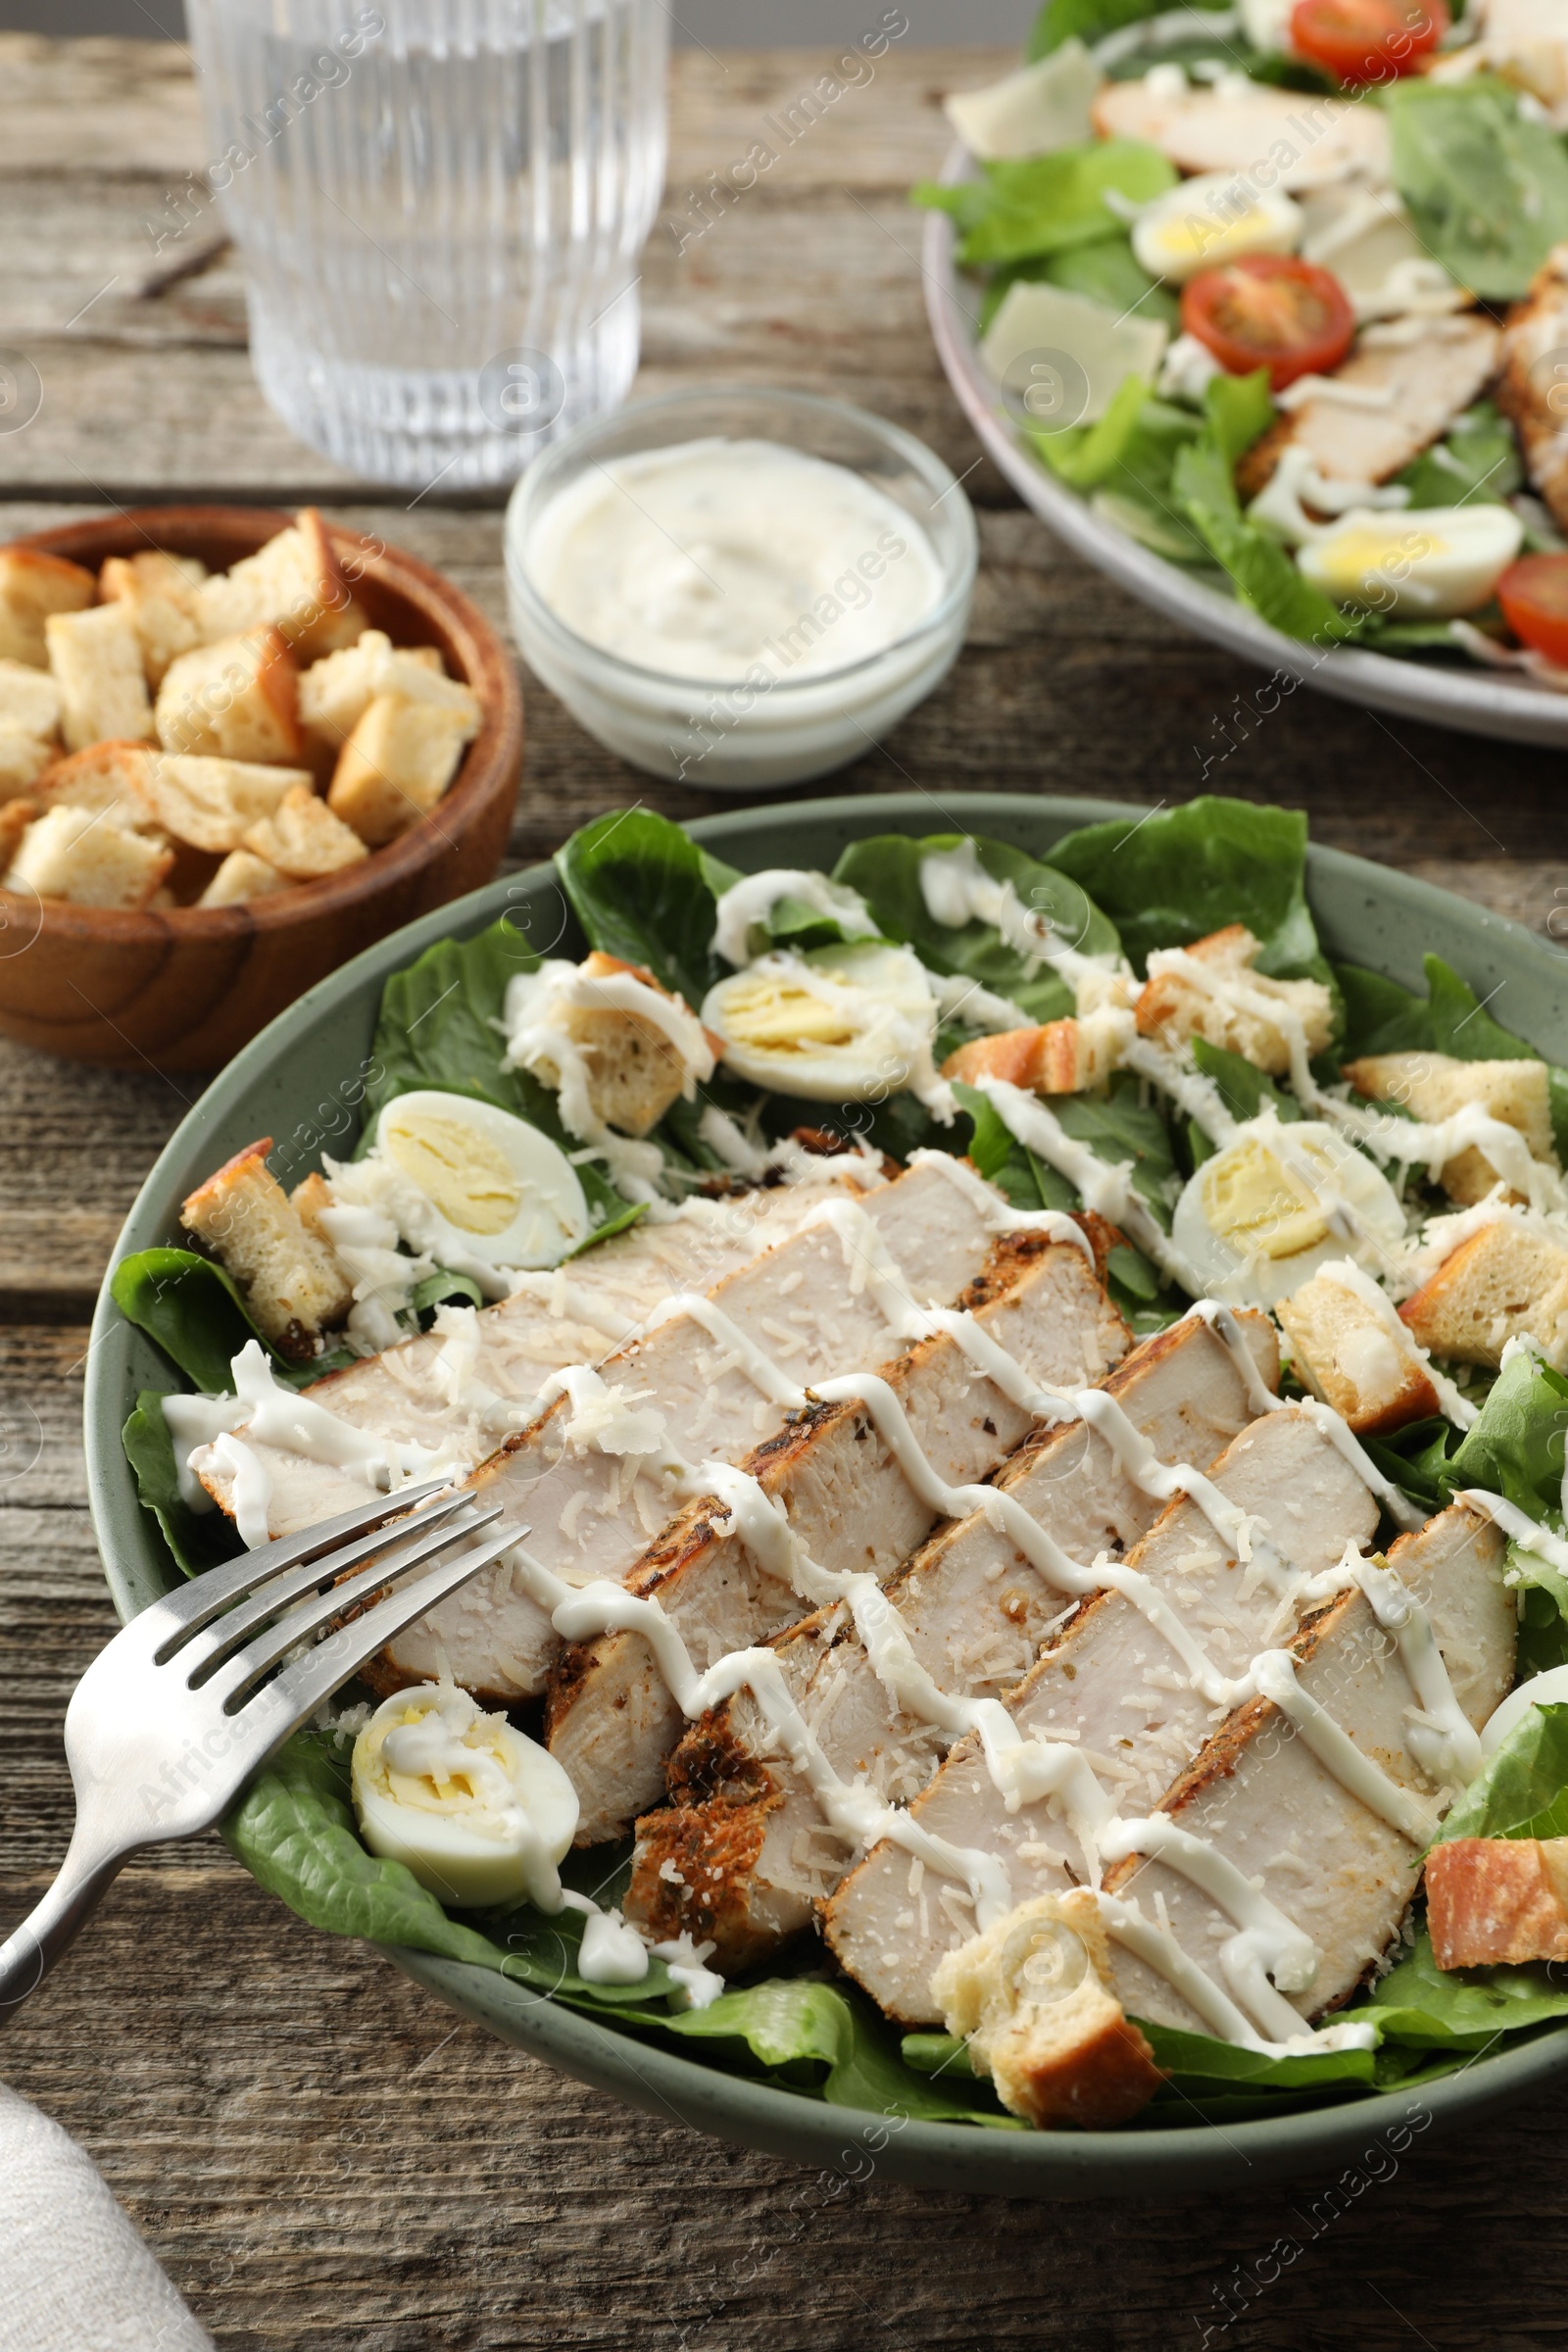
(712, 24)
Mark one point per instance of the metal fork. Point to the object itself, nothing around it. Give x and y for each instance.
(176, 1715)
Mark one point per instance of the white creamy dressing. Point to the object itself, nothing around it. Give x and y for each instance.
(957, 890)
(747, 904)
(714, 560)
(1104, 1187)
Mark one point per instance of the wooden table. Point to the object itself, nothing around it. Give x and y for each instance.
(324, 2158)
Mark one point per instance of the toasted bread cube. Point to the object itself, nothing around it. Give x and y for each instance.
(309, 1197)
(236, 700)
(241, 876)
(335, 694)
(15, 818)
(1492, 1899)
(32, 585)
(294, 584)
(634, 1072)
(158, 595)
(30, 700)
(212, 804)
(1506, 1282)
(1434, 1086)
(23, 759)
(292, 1282)
(1033, 1998)
(96, 661)
(303, 838)
(395, 764)
(1062, 1058)
(70, 853)
(1177, 1003)
(108, 779)
(1343, 1350)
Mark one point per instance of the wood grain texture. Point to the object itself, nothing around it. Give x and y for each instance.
(328, 2161)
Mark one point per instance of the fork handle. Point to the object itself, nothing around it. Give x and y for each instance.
(27, 1956)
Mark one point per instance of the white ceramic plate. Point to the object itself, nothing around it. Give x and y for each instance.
(1480, 702)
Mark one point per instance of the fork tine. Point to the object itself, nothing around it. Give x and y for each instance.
(195, 1603)
(230, 1674)
(213, 1642)
(294, 1695)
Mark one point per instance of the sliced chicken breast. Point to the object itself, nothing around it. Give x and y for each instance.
(744, 1854)
(1263, 1799)
(1419, 388)
(611, 1720)
(1111, 1685)
(1276, 138)
(1533, 388)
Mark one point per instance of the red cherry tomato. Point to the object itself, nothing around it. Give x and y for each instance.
(1269, 311)
(1533, 596)
(1368, 40)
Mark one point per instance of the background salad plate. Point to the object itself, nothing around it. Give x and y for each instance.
(298, 1082)
(1508, 706)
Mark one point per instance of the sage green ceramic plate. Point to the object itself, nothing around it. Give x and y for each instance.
(298, 1082)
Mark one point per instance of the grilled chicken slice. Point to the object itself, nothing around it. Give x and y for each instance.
(1111, 1685)
(610, 1719)
(1258, 1793)
(744, 1854)
(1428, 383)
(462, 1392)
(1306, 141)
(1533, 388)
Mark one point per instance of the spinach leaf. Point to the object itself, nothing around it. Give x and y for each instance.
(198, 1540)
(1243, 1089)
(194, 1310)
(1118, 1127)
(1048, 202)
(642, 889)
(1087, 21)
(1169, 879)
(998, 1156)
(886, 871)
(1381, 1017)
(1476, 458)
(1487, 189)
(443, 1287)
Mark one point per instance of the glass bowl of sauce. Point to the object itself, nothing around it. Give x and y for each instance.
(740, 588)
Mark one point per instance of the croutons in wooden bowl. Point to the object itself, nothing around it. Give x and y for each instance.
(225, 772)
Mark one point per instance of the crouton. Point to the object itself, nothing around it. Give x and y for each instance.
(1177, 1001)
(96, 661)
(30, 699)
(212, 804)
(395, 764)
(241, 876)
(1032, 1998)
(303, 838)
(15, 818)
(633, 1068)
(1507, 1281)
(1432, 1087)
(1492, 1899)
(1343, 1350)
(1060, 1058)
(308, 1199)
(335, 694)
(292, 1283)
(32, 585)
(158, 595)
(108, 779)
(70, 853)
(23, 759)
(294, 584)
(235, 700)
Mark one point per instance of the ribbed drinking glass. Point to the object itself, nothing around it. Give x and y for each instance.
(439, 206)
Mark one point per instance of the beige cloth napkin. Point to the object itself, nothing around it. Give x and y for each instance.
(75, 2275)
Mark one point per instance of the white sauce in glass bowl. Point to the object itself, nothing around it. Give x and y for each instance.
(710, 559)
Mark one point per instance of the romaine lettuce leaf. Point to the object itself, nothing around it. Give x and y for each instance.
(1427, 2007)
(1476, 458)
(1127, 460)
(886, 871)
(1168, 879)
(1516, 1446)
(1522, 1790)
(1049, 202)
(1487, 188)
(1105, 271)
(1087, 21)
(1382, 1017)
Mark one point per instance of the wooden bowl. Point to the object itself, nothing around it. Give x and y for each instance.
(185, 989)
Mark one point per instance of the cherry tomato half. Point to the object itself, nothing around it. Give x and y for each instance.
(1269, 311)
(1533, 596)
(1368, 40)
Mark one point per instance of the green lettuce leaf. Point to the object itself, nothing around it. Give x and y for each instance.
(1522, 1790)
(1382, 1017)
(1485, 188)
(1477, 460)
(1417, 1458)
(638, 886)
(198, 1540)
(1168, 879)
(1516, 1446)
(1428, 2007)
(1087, 21)
(1127, 460)
(194, 1311)
(1105, 271)
(999, 1156)
(1049, 202)
(886, 871)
